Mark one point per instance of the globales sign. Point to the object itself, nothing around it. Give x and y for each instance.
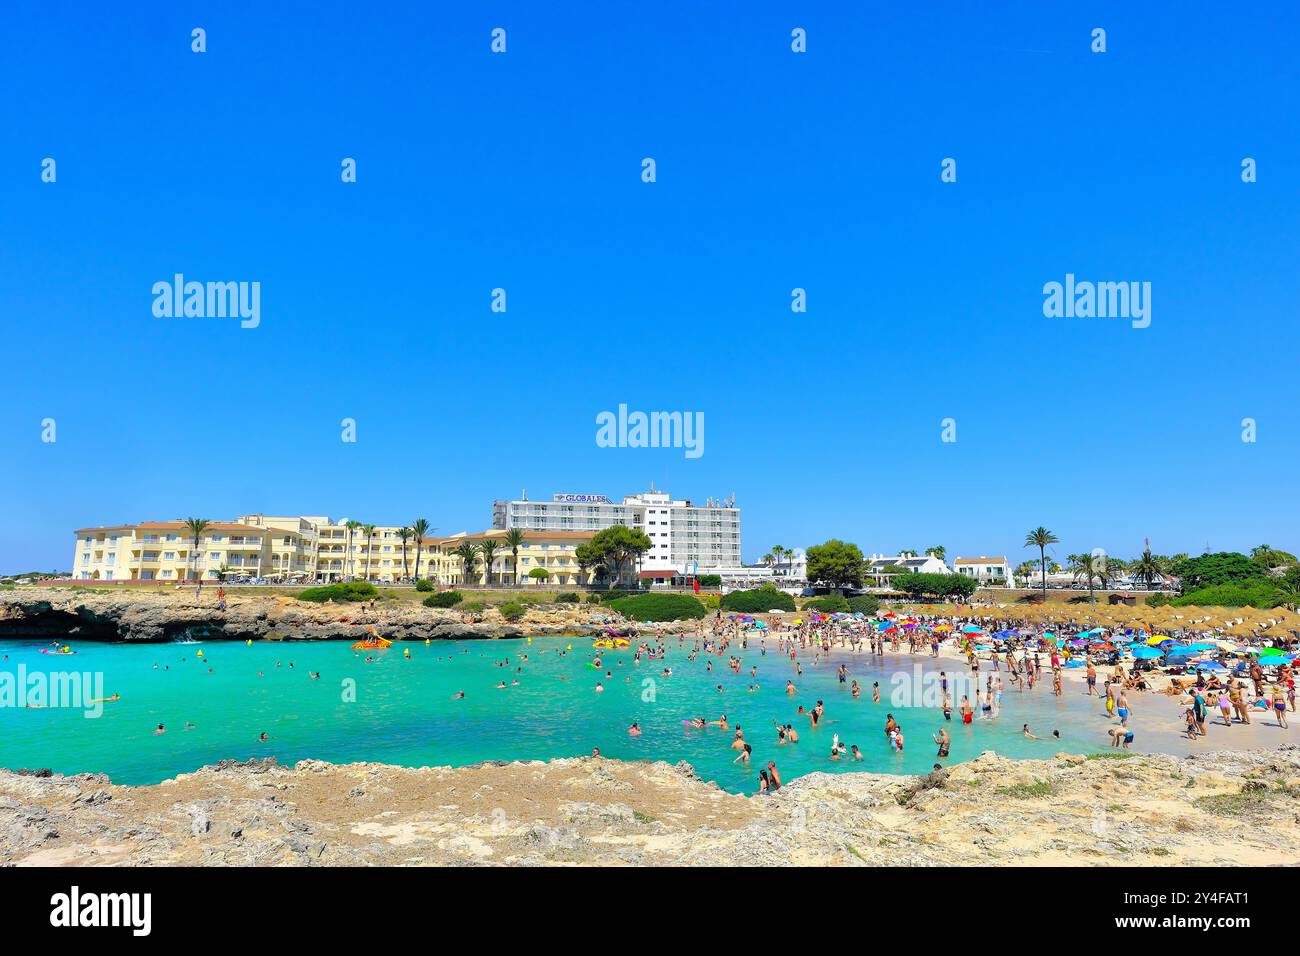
(589, 499)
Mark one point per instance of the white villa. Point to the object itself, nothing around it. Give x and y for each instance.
(930, 564)
(985, 570)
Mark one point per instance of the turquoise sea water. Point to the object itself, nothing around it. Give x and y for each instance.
(402, 711)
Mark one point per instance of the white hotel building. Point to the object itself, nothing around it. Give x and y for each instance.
(682, 533)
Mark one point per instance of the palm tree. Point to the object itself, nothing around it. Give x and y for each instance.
(939, 551)
(351, 526)
(405, 535)
(419, 527)
(513, 539)
(369, 531)
(1040, 538)
(769, 559)
(468, 554)
(488, 548)
(778, 552)
(1087, 568)
(1146, 569)
(196, 528)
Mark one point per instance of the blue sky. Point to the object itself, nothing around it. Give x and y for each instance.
(775, 171)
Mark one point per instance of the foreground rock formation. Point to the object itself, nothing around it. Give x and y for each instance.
(139, 615)
(1237, 808)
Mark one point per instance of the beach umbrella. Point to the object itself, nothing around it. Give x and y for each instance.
(1213, 666)
(1144, 653)
(971, 629)
(1202, 647)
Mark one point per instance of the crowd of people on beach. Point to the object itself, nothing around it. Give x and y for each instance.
(1021, 659)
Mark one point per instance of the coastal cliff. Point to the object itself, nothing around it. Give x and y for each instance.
(1212, 808)
(92, 615)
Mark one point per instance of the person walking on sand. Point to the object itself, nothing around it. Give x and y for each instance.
(1238, 697)
(1199, 710)
(1279, 705)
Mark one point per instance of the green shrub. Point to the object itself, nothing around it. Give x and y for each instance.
(512, 610)
(658, 607)
(1259, 594)
(348, 591)
(443, 599)
(916, 585)
(472, 606)
(758, 601)
(828, 604)
(613, 594)
(710, 580)
(1158, 600)
(864, 603)
(568, 597)
(424, 584)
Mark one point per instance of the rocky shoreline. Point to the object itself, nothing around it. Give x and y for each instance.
(145, 616)
(1234, 808)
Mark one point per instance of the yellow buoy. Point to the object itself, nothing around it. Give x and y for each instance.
(250, 642)
(198, 653)
(568, 647)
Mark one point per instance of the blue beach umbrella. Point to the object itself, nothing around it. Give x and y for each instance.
(1142, 653)
(1213, 666)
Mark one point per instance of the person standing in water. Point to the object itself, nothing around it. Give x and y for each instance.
(943, 740)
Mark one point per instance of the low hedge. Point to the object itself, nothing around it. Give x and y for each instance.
(347, 591)
(658, 607)
(865, 603)
(757, 601)
(568, 597)
(424, 584)
(828, 604)
(443, 599)
(512, 610)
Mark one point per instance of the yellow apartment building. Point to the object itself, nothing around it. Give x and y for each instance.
(554, 551)
(312, 548)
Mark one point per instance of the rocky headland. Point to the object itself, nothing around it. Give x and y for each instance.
(86, 614)
(1239, 808)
